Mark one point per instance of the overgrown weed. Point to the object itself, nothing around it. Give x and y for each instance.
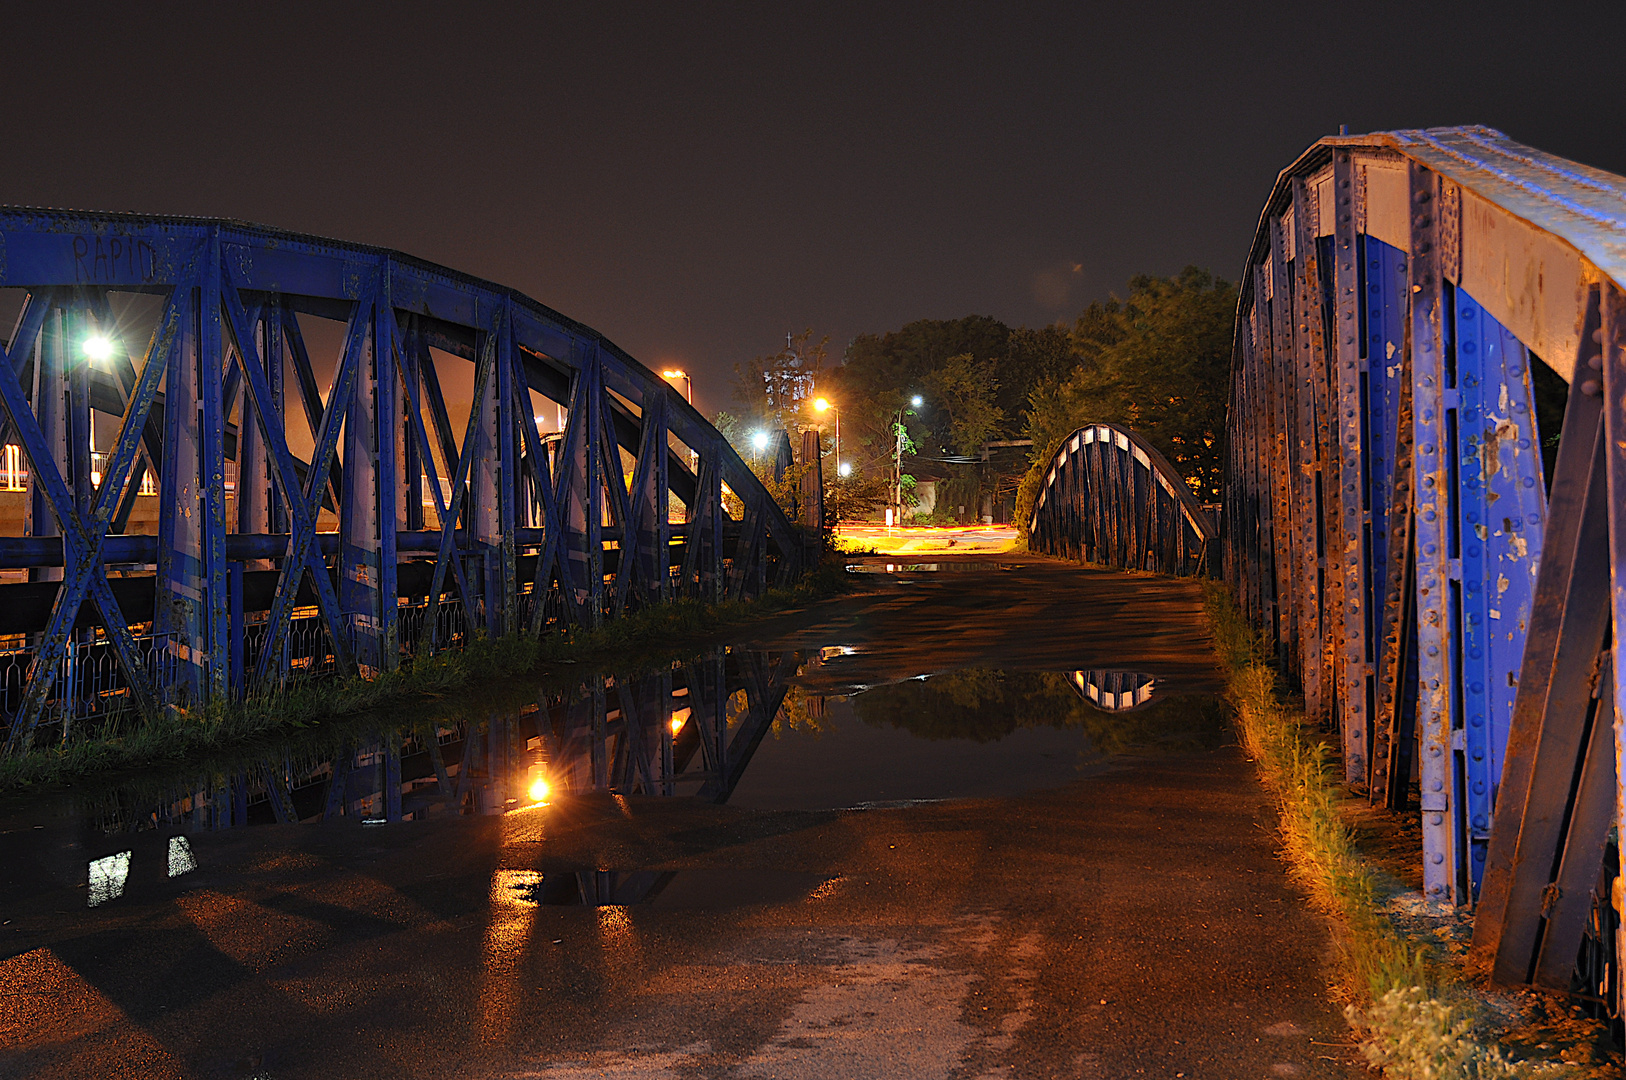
(1418, 1020)
(478, 678)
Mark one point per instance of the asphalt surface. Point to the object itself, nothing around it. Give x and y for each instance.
(1081, 914)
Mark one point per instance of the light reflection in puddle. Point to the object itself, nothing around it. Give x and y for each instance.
(617, 889)
(107, 878)
(181, 859)
(927, 567)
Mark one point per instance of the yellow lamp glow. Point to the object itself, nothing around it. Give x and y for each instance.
(540, 790)
(821, 404)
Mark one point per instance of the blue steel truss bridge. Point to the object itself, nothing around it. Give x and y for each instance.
(235, 455)
(1426, 482)
(1425, 513)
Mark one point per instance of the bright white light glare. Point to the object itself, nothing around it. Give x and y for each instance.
(760, 440)
(917, 401)
(107, 877)
(181, 859)
(844, 469)
(98, 348)
(540, 790)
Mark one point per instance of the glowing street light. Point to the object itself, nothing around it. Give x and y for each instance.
(915, 402)
(98, 349)
(540, 790)
(688, 383)
(844, 469)
(759, 441)
(825, 405)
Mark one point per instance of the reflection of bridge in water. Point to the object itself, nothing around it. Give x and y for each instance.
(1115, 691)
(689, 729)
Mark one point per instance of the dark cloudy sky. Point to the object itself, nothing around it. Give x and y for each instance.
(695, 180)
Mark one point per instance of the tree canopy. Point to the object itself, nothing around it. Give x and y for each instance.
(1157, 360)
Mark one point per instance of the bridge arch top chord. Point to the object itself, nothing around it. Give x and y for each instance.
(298, 525)
(1110, 497)
(1424, 555)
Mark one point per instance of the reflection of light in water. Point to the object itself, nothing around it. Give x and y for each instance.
(540, 790)
(181, 860)
(1115, 691)
(107, 877)
(614, 926)
(826, 890)
(513, 909)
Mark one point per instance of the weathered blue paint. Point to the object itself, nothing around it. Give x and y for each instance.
(228, 328)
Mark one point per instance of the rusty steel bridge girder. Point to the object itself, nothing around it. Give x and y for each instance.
(1389, 526)
(1109, 497)
(180, 464)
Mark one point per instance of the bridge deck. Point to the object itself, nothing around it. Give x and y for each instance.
(1130, 915)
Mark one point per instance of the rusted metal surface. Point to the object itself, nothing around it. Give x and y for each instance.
(1416, 569)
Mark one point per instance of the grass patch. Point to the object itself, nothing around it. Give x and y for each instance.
(1417, 1017)
(488, 675)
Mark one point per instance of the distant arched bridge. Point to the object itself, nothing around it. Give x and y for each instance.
(322, 499)
(1110, 497)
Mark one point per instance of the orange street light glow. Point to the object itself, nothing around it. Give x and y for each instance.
(540, 790)
(677, 724)
(673, 375)
(821, 404)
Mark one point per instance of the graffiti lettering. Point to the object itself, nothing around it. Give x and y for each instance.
(112, 259)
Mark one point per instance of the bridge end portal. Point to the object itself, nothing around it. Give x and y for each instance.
(1424, 465)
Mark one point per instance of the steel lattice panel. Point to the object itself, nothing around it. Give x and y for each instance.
(406, 526)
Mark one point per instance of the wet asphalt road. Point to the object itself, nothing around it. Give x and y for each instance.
(1123, 918)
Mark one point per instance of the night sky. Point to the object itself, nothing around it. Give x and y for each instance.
(696, 180)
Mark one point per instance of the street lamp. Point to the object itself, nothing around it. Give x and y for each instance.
(688, 383)
(759, 441)
(98, 349)
(915, 402)
(824, 405)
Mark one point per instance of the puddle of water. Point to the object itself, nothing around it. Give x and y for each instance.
(974, 733)
(708, 889)
(758, 730)
(911, 567)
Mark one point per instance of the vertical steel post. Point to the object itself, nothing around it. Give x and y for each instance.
(360, 524)
(1443, 860)
(211, 356)
(49, 405)
(389, 514)
(1349, 558)
(1311, 374)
